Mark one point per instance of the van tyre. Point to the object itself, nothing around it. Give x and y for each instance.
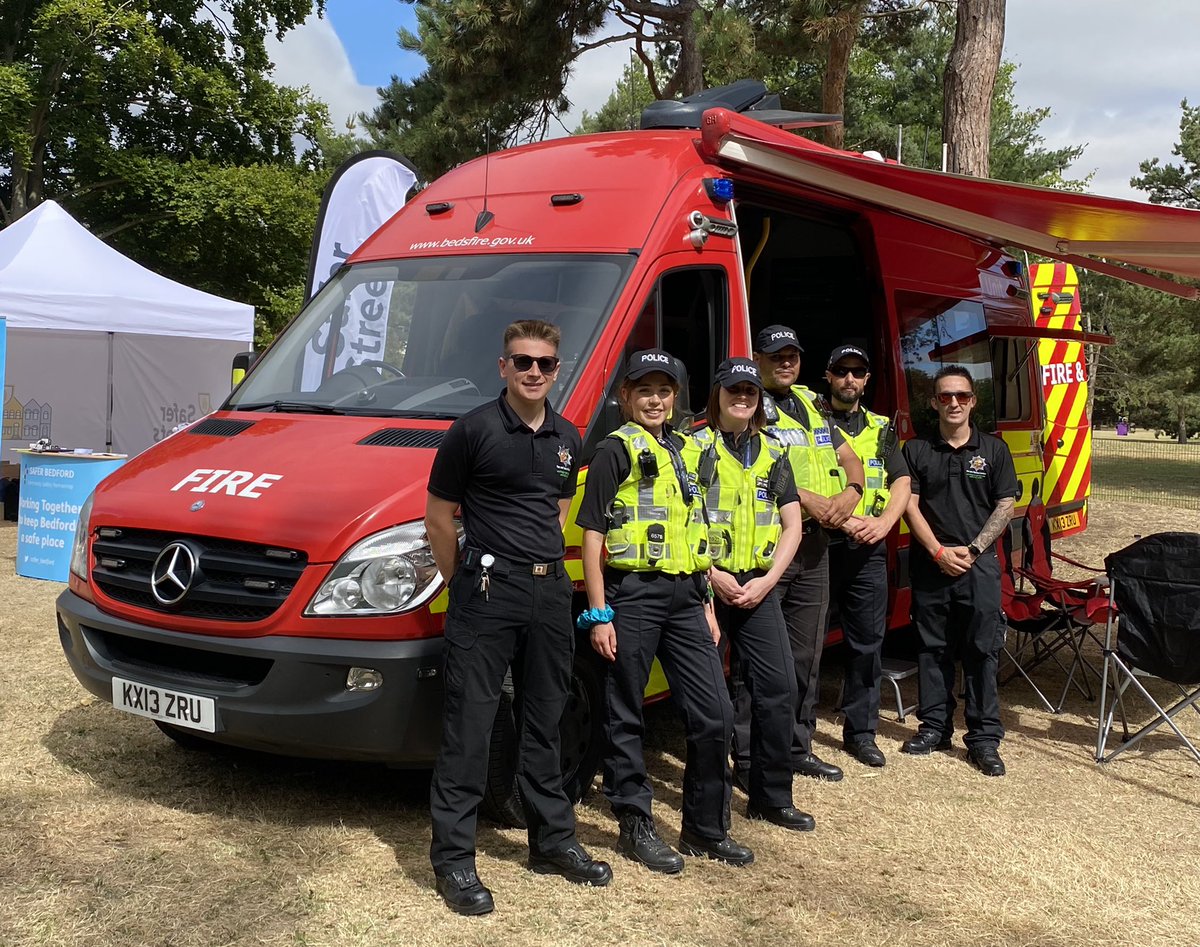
(581, 738)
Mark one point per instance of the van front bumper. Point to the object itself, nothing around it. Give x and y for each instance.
(277, 694)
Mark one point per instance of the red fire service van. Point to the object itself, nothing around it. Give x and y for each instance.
(263, 579)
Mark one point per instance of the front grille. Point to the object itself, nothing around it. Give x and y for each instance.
(123, 560)
(192, 665)
(403, 437)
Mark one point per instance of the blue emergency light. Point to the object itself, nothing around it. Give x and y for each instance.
(719, 189)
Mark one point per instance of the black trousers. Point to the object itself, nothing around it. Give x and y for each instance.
(804, 597)
(761, 658)
(858, 584)
(663, 615)
(958, 619)
(524, 622)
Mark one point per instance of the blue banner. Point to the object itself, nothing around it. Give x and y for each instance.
(53, 490)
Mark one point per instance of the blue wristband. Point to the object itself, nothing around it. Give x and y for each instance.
(590, 617)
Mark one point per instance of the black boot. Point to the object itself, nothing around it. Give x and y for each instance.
(640, 841)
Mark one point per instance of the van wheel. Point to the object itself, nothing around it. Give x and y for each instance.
(581, 739)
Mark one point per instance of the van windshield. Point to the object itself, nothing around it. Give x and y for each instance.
(422, 337)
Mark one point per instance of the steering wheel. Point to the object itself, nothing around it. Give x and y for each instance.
(382, 366)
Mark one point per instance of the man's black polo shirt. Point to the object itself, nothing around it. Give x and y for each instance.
(508, 480)
(959, 487)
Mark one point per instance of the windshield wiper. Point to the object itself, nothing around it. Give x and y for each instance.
(301, 407)
(424, 415)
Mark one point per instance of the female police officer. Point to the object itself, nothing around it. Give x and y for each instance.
(645, 559)
(754, 529)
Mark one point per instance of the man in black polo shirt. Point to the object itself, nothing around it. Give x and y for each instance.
(964, 488)
(512, 467)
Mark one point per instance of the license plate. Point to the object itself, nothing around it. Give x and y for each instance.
(158, 703)
(1059, 524)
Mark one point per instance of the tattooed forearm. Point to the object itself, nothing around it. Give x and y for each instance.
(996, 523)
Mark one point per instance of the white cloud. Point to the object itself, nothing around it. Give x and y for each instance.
(1113, 74)
(312, 55)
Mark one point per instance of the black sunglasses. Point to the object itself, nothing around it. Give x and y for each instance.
(959, 397)
(841, 371)
(546, 363)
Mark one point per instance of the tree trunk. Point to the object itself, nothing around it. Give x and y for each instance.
(970, 78)
(691, 65)
(833, 84)
(1181, 434)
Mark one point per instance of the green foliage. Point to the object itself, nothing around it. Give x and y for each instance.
(1152, 373)
(155, 123)
(1177, 184)
(623, 108)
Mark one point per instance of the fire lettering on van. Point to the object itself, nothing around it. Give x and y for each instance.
(235, 483)
(1062, 373)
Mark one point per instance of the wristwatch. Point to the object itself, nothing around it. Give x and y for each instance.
(856, 487)
(974, 550)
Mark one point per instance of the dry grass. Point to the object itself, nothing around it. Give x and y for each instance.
(110, 834)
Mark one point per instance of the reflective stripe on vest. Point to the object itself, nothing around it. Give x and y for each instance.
(743, 517)
(652, 527)
(816, 466)
(866, 445)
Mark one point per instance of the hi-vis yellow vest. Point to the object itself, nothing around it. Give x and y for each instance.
(743, 516)
(814, 461)
(866, 445)
(652, 526)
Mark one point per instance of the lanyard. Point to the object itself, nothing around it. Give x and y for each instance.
(680, 469)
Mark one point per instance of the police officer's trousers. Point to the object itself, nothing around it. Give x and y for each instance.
(761, 659)
(958, 618)
(524, 621)
(804, 598)
(663, 615)
(858, 581)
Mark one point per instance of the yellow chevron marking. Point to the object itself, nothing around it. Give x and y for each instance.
(1076, 488)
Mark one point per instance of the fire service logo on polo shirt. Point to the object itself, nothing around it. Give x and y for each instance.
(977, 467)
(564, 461)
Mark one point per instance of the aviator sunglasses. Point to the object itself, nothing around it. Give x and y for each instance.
(522, 362)
(959, 397)
(841, 371)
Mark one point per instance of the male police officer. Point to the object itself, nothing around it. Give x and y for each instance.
(820, 460)
(964, 488)
(511, 465)
(858, 560)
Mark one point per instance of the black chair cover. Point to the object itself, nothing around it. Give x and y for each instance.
(1156, 585)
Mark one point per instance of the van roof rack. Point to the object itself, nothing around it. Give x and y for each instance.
(747, 96)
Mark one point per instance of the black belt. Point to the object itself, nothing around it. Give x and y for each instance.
(500, 566)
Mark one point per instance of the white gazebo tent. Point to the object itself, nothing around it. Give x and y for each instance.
(102, 352)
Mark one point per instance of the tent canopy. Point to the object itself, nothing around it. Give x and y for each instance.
(54, 274)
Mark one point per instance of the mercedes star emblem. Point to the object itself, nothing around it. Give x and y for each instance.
(173, 573)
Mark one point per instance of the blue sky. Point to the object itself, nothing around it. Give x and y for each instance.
(367, 29)
(1111, 71)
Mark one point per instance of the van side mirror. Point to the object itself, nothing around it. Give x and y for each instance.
(241, 365)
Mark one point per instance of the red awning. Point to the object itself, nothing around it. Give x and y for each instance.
(1094, 233)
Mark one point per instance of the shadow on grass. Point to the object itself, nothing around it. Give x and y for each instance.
(129, 757)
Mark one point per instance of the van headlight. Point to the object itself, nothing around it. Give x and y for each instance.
(79, 548)
(391, 571)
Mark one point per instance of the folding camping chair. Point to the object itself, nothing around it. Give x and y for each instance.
(1047, 615)
(1154, 630)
